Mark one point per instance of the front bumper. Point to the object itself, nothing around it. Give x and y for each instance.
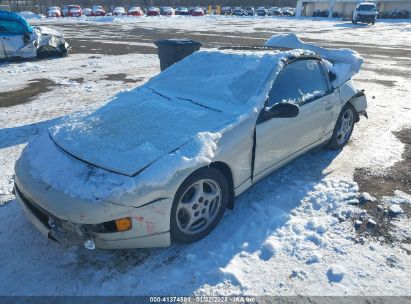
(142, 235)
(366, 18)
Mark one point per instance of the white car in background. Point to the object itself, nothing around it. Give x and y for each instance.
(53, 11)
(365, 12)
(135, 11)
(98, 10)
(19, 40)
(163, 161)
(87, 11)
(119, 11)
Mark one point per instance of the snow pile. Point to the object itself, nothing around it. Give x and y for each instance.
(345, 63)
(336, 273)
(307, 229)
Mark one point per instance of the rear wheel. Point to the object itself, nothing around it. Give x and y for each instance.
(343, 128)
(198, 205)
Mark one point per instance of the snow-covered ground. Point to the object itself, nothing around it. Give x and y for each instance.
(293, 233)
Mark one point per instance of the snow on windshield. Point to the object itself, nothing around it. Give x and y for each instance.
(226, 81)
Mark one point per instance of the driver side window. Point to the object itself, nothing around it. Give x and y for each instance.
(299, 82)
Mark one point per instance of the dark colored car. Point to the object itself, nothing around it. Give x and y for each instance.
(226, 10)
(262, 11)
(239, 12)
(153, 11)
(249, 11)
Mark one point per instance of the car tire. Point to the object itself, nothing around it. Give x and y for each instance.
(198, 205)
(343, 128)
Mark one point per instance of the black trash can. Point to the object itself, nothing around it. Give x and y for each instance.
(171, 51)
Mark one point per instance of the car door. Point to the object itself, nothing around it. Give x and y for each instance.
(302, 82)
(17, 39)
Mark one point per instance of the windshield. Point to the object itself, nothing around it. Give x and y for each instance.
(367, 7)
(222, 81)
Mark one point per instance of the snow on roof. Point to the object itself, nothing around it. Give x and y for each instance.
(345, 63)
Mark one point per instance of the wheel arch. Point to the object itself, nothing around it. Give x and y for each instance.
(357, 116)
(226, 171)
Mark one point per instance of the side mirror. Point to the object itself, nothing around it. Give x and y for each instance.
(332, 76)
(284, 110)
(26, 38)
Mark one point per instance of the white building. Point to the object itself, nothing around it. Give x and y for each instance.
(346, 7)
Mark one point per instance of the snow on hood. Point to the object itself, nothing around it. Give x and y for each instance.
(345, 63)
(141, 125)
(134, 130)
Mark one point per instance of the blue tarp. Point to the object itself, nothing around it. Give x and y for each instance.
(13, 24)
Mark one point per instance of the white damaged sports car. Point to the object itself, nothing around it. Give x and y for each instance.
(19, 40)
(162, 162)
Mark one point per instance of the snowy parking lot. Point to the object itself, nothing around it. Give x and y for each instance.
(328, 223)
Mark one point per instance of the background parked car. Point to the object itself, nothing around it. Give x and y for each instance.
(238, 11)
(288, 11)
(87, 11)
(18, 39)
(226, 10)
(153, 11)
(249, 11)
(262, 11)
(53, 11)
(98, 10)
(198, 11)
(166, 11)
(274, 11)
(135, 11)
(183, 11)
(72, 11)
(365, 12)
(119, 11)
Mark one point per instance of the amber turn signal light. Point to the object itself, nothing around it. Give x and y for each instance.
(123, 224)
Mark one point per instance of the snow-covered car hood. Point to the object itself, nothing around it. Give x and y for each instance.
(134, 130)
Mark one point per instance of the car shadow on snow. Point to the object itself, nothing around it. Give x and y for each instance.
(10, 137)
(258, 213)
(351, 25)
